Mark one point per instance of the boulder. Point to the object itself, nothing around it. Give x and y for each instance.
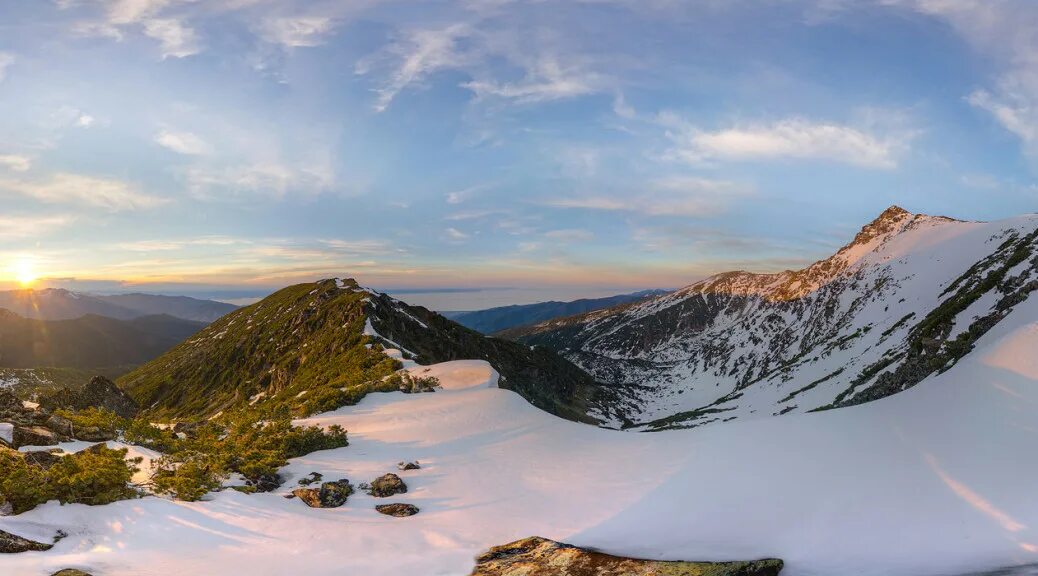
(93, 434)
(13, 544)
(35, 436)
(312, 478)
(330, 495)
(42, 458)
(408, 465)
(100, 392)
(265, 482)
(70, 572)
(397, 509)
(542, 557)
(59, 425)
(387, 485)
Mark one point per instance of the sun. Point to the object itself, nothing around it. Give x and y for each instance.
(25, 272)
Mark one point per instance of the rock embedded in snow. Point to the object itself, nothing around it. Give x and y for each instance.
(398, 509)
(14, 544)
(330, 495)
(71, 572)
(387, 485)
(542, 557)
(34, 436)
(408, 465)
(311, 478)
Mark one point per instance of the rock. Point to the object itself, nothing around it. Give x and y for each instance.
(9, 403)
(42, 458)
(330, 495)
(70, 572)
(93, 434)
(387, 485)
(59, 425)
(13, 544)
(6, 508)
(34, 436)
(408, 465)
(542, 557)
(265, 483)
(188, 429)
(312, 478)
(397, 509)
(100, 392)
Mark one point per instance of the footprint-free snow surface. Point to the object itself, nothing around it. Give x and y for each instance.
(939, 479)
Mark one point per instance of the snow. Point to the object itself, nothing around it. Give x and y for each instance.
(460, 374)
(936, 480)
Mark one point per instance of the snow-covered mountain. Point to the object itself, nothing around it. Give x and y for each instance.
(906, 299)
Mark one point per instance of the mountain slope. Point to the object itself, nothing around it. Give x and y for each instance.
(87, 342)
(905, 299)
(61, 304)
(501, 318)
(312, 347)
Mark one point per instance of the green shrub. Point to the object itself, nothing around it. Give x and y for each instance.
(100, 418)
(190, 478)
(143, 433)
(23, 485)
(98, 475)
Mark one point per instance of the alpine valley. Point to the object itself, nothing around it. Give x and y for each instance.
(871, 414)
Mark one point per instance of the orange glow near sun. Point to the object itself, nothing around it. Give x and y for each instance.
(25, 272)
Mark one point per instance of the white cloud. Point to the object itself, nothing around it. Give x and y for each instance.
(675, 196)
(794, 138)
(621, 108)
(546, 79)
(15, 162)
(175, 39)
(30, 226)
(130, 11)
(455, 234)
(112, 195)
(85, 121)
(570, 235)
(267, 179)
(6, 59)
(183, 143)
(98, 30)
(418, 54)
(297, 32)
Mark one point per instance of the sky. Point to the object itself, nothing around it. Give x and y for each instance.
(494, 151)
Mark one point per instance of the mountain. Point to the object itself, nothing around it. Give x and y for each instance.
(501, 318)
(906, 299)
(320, 345)
(61, 304)
(89, 341)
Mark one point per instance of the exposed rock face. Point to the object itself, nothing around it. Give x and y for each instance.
(387, 485)
(99, 393)
(12, 544)
(34, 436)
(330, 495)
(408, 465)
(397, 509)
(542, 557)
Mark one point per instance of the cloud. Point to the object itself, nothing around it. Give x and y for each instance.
(455, 234)
(547, 78)
(297, 32)
(793, 138)
(15, 162)
(85, 121)
(417, 54)
(112, 195)
(175, 39)
(622, 109)
(677, 196)
(570, 235)
(30, 226)
(272, 179)
(183, 143)
(6, 59)
(130, 11)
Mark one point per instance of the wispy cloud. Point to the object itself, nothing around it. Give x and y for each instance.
(570, 235)
(678, 196)
(175, 38)
(456, 235)
(6, 60)
(183, 142)
(15, 162)
(297, 32)
(62, 188)
(31, 226)
(793, 138)
(547, 78)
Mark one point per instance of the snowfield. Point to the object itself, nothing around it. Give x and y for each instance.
(939, 479)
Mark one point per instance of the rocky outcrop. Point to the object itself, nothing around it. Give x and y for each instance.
(14, 544)
(542, 557)
(70, 572)
(100, 392)
(24, 426)
(330, 495)
(386, 486)
(397, 509)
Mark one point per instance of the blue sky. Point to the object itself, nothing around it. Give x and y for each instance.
(562, 148)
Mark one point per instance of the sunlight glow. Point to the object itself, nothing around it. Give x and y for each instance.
(25, 272)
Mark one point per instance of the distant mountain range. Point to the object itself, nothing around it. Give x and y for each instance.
(494, 320)
(90, 341)
(61, 304)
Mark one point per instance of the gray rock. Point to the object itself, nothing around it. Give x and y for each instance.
(397, 509)
(387, 485)
(330, 495)
(13, 544)
(408, 465)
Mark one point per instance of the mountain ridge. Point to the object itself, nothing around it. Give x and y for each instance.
(63, 304)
